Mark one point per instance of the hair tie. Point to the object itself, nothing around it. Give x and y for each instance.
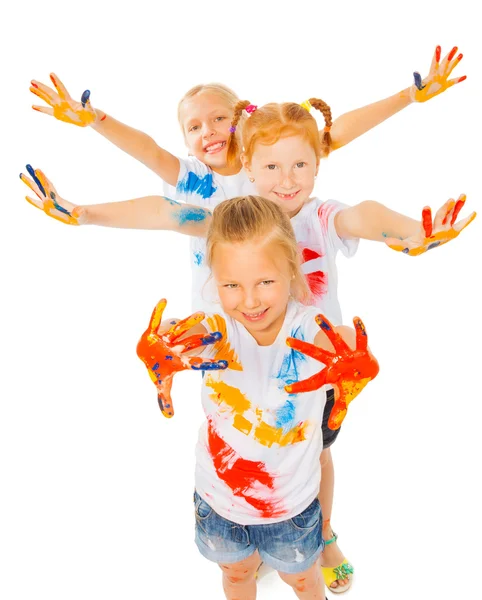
(251, 108)
(232, 129)
(327, 128)
(306, 105)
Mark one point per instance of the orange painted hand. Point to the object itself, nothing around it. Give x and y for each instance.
(437, 81)
(431, 235)
(164, 353)
(61, 105)
(347, 370)
(49, 201)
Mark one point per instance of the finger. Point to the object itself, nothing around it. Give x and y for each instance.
(85, 98)
(435, 60)
(44, 109)
(197, 364)
(315, 382)
(45, 89)
(361, 334)
(458, 207)
(156, 316)
(44, 182)
(35, 202)
(46, 98)
(337, 415)
(58, 206)
(460, 225)
(452, 82)
(310, 350)
(339, 344)
(442, 213)
(445, 67)
(454, 63)
(448, 212)
(59, 86)
(33, 186)
(183, 325)
(427, 221)
(417, 79)
(195, 341)
(34, 176)
(164, 397)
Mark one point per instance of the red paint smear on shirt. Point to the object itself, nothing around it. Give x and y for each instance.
(317, 283)
(324, 213)
(309, 254)
(240, 474)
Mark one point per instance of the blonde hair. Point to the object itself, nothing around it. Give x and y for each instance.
(223, 91)
(273, 121)
(249, 218)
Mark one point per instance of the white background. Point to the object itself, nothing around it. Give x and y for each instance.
(96, 485)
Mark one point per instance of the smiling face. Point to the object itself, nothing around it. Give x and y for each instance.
(253, 279)
(206, 119)
(284, 172)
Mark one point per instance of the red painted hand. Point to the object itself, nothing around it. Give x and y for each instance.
(164, 353)
(347, 370)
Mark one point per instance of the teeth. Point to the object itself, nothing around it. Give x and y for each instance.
(254, 314)
(286, 195)
(215, 146)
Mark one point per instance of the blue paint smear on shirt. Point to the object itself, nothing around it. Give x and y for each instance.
(289, 373)
(192, 184)
(198, 258)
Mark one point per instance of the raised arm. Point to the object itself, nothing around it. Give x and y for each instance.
(150, 212)
(355, 123)
(137, 144)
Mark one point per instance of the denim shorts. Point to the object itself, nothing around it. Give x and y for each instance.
(329, 436)
(291, 546)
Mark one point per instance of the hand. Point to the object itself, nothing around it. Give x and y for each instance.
(163, 353)
(430, 236)
(49, 201)
(61, 105)
(437, 80)
(347, 370)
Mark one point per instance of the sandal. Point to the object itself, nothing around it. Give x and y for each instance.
(342, 571)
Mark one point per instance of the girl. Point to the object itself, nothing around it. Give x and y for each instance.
(257, 472)
(282, 151)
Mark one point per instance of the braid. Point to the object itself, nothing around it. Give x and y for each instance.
(326, 111)
(233, 145)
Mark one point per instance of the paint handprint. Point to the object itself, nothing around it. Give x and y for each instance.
(49, 201)
(442, 230)
(61, 105)
(347, 370)
(164, 353)
(437, 81)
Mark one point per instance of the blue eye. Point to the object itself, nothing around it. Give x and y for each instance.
(193, 128)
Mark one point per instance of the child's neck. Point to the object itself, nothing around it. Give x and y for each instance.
(228, 169)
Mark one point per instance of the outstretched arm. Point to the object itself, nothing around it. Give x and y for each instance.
(355, 123)
(373, 221)
(135, 143)
(150, 212)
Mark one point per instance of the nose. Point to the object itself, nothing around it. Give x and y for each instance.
(287, 180)
(251, 299)
(208, 131)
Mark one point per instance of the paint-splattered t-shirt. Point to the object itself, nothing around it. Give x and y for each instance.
(318, 241)
(257, 457)
(198, 184)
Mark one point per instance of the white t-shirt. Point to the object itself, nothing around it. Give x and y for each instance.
(258, 453)
(198, 184)
(313, 226)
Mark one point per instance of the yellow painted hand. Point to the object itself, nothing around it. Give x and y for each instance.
(437, 81)
(61, 105)
(440, 232)
(49, 201)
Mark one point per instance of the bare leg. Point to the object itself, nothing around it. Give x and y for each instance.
(332, 555)
(238, 578)
(307, 585)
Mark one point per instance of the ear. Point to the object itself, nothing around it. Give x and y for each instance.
(245, 162)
